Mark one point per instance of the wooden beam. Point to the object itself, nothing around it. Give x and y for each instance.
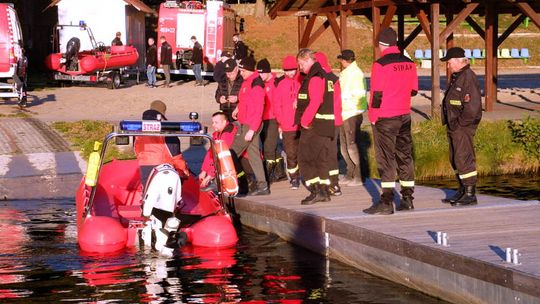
(401, 31)
(469, 8)
(424, 23)
(510, 29)
(318, 33)
(307, 31)
(491, 57)
(449, 41)
(376, 21)
(435, 69)
(479, 30)
(411, 36)
(301, 29)
(390, 12)
(332, 18)
(279, 6)
(529, 11)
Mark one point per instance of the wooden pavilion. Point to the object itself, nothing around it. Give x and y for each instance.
(381, 13)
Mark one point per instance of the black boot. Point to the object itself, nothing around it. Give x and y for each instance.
(406, 202)
(468, 198)
(385, 205)
(334, 190)
(313, 192)
(279, 171)
(270, 167)
(243, 186)
(324, 193)
(459, 193)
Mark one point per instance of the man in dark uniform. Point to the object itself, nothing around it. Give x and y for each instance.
(462, 111)
(117, 39)
(151, 63)
(393, 82)
(165, 60)
(197, 60)
(315, 116)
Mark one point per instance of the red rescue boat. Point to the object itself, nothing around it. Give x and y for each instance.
(110, 200)
(113, 57)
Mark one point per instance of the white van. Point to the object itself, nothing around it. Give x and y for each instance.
(12, 60)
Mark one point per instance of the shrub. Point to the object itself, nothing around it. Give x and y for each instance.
(527, 134)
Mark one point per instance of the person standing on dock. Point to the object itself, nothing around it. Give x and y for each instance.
(228, 88)
(354, 104)
(151, 63)
(393, 81)
(197, 60)
(462, 112)
(285, 95)
(315, 116)
(249, 114)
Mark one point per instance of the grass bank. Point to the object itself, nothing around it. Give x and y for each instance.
(502, 147)
(82, 135)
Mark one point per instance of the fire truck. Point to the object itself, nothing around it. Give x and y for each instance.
(213, 23)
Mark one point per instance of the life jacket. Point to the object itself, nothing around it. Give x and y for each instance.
(323, 122)
(153, 151)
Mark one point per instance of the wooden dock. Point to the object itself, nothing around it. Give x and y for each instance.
(402, 247)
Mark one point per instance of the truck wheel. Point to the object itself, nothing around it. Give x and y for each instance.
(115, 80)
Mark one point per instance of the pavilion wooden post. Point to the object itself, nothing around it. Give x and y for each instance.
(491, 31)
(435, 69)
(343, 26)
(401, 32)
(376, 21)
(301, 28)
(450, 40)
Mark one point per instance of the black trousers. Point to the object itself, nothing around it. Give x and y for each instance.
(333, 167)
(290, 144)
(393, 150)
(313, 157)
(461, 153)
(269, 137)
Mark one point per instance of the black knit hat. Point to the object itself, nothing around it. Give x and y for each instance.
(387, 37)
(346, 55)
(263, 66)
(247, 63)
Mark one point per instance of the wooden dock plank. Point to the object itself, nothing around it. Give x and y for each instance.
(478, 234)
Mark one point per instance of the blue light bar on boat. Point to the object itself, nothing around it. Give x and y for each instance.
(160, 126)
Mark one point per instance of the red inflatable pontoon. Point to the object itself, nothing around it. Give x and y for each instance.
(110, 217)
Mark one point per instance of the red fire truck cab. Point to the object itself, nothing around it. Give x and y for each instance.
(213, 23)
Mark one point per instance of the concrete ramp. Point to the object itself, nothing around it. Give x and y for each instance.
(36, 162)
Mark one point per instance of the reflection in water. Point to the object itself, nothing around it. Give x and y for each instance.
(41, 262)
(521, 187)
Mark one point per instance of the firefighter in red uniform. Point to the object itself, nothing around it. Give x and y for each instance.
(154, 150)
(314, 113)
(270, 132)
(249, 114)
(333, 170)
(462, 111)
(393, 82)
(285, 95)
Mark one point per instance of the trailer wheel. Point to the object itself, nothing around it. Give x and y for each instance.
(115, 80)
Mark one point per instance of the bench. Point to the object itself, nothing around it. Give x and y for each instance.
(472, 55)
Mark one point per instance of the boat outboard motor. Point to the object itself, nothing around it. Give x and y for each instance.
(163, 193)
(72, 51)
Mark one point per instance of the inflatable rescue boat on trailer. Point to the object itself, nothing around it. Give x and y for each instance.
(114, 210)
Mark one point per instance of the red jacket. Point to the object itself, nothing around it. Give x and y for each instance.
(316, 94)
(227, 135)
(269, 87)
(284, 98)
(251, 102)
(393, 82)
